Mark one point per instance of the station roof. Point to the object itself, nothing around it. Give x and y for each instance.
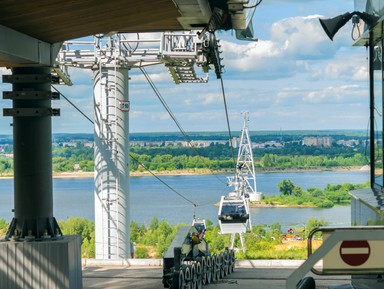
(31, 31)
(55, 20)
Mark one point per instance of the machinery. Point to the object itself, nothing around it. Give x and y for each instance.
(188, 262)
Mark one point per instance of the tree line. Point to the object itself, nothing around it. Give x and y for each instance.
(216, 157)
(292, 195)
(152, 241)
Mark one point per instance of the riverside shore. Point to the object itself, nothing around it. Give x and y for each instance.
(80, 174)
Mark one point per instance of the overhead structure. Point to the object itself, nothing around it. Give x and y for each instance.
(34, 31)
(110, 58)
(234, 216)
(32, 34)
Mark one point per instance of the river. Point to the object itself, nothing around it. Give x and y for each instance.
(149, 197)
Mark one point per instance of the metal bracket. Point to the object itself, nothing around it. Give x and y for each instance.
(31, 95)
(31, 112)
(31, 78)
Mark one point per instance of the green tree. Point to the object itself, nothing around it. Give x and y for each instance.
(83, 227)
(134, 231)
(297, 191)
(286, 187)
(3, 227)
(154, 224)
(314, 223)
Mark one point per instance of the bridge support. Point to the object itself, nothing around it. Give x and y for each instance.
(111, 134)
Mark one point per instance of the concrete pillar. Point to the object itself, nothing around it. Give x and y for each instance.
(111, 133)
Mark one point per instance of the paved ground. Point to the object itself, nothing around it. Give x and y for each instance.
(114, 277)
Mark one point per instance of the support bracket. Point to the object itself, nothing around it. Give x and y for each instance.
(31, 112)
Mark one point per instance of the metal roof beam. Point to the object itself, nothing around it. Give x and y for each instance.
(18, 49)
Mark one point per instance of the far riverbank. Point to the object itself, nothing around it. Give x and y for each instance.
(75, 197)
(189, 172)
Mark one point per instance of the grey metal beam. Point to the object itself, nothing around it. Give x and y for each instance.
(18, 49)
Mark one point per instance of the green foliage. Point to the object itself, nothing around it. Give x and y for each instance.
(3, 227)
(141, 252)
(303, 161)
(157, 235)
(135, 231)
(261, 243)
(64, 159)
(286, 187)
(154, 224)
(332, 195)
(215, 157)
(6, 165)
(83, 227)
(314, 223)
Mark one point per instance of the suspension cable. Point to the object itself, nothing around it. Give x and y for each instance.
(168, 109)
(227, 117)
(164, 183)
(71, 103)
(134, 158)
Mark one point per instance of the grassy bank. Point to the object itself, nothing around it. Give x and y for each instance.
(264, 242)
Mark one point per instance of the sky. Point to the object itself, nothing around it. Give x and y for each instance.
(293, 78)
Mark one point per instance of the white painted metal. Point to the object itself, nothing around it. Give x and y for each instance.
(111, 135)
(181, 52)
(110, 58)
(245, 167)
(232, 221)
(234, 217)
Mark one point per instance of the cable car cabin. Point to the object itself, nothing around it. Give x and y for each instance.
(233, 215)
(200, 226)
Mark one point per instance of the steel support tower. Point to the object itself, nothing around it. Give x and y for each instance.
(244, 183)
(245, 167)
(110, 58)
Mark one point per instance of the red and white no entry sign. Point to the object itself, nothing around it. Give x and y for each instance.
(355, 253)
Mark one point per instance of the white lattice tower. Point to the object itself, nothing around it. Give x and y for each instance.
(245, 167)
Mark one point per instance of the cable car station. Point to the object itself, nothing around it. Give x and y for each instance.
(36, 46)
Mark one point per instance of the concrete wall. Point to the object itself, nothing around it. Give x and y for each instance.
(41, 264)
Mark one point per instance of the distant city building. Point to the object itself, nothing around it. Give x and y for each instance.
(235, 142)
(273, 143)
(323, 141)
(70, 144)
(88, 144)
(76, 167)
(348, 143)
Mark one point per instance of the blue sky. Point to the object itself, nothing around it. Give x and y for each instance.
(293, 78)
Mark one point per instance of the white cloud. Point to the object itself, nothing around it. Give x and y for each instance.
(294, 77)
(295, 44)
(342, 94)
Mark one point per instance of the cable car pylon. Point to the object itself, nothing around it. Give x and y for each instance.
(234, 215)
